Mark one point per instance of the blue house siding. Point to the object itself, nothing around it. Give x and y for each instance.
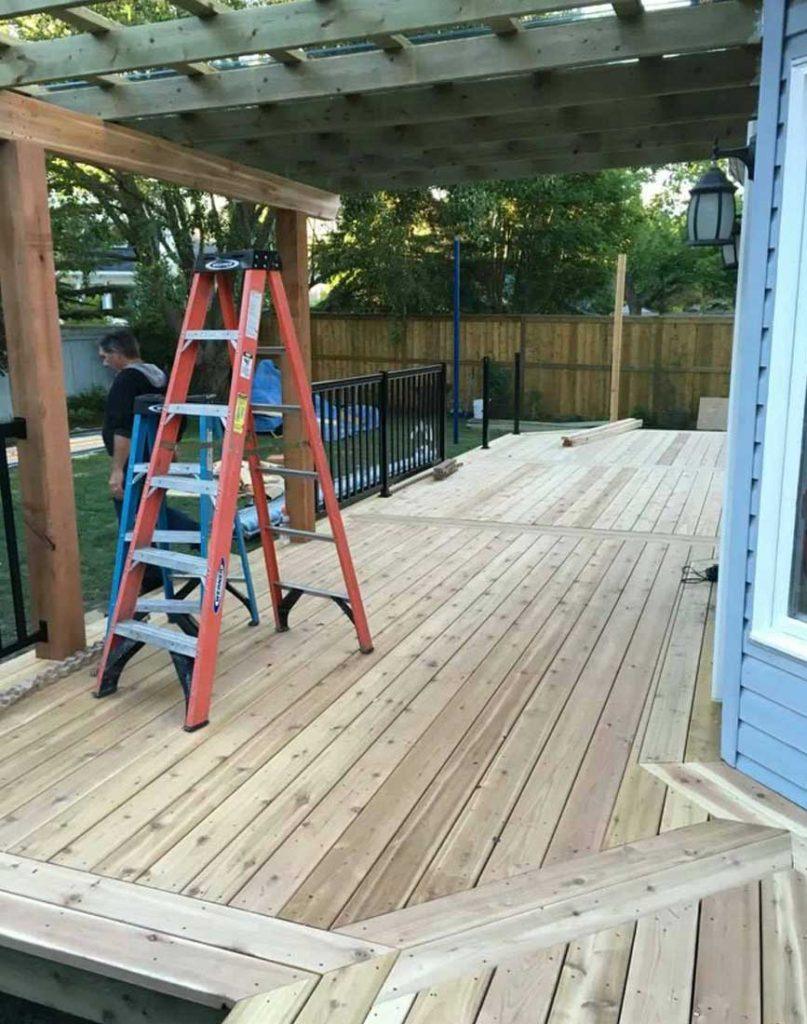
(764, 693)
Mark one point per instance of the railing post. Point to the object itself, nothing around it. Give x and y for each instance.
(517, 393)
(441, 409)
(383, 409)
(485, 399)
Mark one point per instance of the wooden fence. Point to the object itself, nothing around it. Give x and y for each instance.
(668, 362)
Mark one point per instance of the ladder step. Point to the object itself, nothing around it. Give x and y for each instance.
(169, 605)
(180, 468)
(289, 531)
(186, 484)
(197, 409)
(271, 350)
(267, 410)
(173, 536)
(211, 335)
(157, 636)
(315, 591)
(190, 565)
(310, 474)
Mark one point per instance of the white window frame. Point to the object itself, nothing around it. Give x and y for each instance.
(771, 623)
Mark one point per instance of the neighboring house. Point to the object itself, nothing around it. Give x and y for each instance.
(761, 650)
(115, 270)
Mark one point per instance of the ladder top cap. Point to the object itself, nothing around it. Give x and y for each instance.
(242, 259)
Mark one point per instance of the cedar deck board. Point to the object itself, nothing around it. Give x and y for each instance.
(468, 776)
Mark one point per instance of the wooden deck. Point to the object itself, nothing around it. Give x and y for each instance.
(534, 645)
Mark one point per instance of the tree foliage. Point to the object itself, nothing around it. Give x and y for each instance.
(545, 245)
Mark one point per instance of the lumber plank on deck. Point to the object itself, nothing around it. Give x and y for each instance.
(454, 935)
(602, 433)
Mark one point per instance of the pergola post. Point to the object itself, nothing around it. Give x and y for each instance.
(33, 339)
(292, 244)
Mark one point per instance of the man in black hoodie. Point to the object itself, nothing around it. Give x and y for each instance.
(120, 351)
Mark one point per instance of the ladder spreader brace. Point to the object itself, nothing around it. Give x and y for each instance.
(194, 656)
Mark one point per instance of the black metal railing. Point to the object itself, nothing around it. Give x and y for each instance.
(15, 633)
(502, 393)
(381, 428)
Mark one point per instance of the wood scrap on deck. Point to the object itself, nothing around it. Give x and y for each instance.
(600, 433)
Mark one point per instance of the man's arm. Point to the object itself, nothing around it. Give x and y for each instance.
(120, 455)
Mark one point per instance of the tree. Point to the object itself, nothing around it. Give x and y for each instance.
(544, 244)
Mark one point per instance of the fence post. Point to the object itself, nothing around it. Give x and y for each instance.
(517, 393)
(441, 409)
(383, 409)
(485, 399)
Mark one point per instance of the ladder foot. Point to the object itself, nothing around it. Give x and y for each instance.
(197, 727)
(367, 650)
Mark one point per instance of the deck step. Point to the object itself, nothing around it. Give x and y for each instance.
(197, 409)
(314, 591)
(289, 531)
(169, 605)
(173, 536)
(157, 636)
(186, 485)
(190, 565)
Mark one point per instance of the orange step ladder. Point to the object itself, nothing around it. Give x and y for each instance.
(194, 645)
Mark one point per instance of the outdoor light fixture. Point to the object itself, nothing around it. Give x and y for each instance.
(711, 214)
(710, 220)
(730, 251)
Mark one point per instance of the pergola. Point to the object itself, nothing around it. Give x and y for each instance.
(292, 103)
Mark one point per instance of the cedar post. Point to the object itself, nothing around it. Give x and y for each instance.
(34, 344)
(292, 244)
(616, 350)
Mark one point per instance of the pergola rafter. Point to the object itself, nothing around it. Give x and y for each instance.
(548, 47)
(254, 30)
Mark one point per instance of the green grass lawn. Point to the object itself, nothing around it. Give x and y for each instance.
(98, 526)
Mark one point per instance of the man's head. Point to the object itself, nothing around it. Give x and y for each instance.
(118, 348)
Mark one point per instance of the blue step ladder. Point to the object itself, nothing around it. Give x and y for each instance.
(190, 478)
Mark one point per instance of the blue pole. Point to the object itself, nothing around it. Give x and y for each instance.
(456, 400)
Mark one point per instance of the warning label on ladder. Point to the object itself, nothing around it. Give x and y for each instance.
(254, 314)
(241, 403)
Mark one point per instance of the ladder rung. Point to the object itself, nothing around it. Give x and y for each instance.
(181, 468)
(211, 335)
(284, 471)
(157, 636)
(271, 350)
(169, 605)
(172, 536)
(264, 410)
(289, 531)
(191, 565)
(315, 591)
(186, 484)
(197, 409)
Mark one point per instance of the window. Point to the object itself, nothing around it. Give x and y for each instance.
(779, 615)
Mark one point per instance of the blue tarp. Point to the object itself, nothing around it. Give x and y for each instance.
(267, 390)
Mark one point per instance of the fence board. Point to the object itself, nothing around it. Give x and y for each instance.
(669, 362)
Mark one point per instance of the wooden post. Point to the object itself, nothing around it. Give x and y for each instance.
(34, 344)
(292, 244)
(616, 348)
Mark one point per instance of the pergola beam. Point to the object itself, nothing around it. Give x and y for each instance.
(701, 74)
(228, 33)
(549, 47)
(555, 163)
(394, 144)
(494, 159)
(89, 140)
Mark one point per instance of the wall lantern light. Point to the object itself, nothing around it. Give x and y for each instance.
(711, 214)
(730, 253)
